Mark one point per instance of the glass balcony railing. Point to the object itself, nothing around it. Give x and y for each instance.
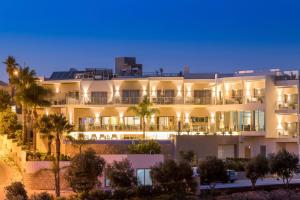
(167, 100)
(129, 128)
(284, 133)
(282, 105)
(234, 100)
(255, 99)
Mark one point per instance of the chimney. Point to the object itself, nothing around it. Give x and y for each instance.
(186, 70)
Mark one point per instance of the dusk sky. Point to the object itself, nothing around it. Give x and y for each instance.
(207, 35)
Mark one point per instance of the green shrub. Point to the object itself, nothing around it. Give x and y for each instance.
(149, 147)
(16, 191)
(237, 164)
(38, 156)
(41, 196)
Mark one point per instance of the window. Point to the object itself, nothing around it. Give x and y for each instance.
(99, 97)
(130, 96)
(106, 182)
(202, 96)
(132, 120)
(199, 119)
(143, 177)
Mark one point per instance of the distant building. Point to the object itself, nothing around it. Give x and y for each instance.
(127, 66)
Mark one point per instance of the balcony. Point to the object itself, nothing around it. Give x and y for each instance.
(198, 100)
(282, 106)
(167, 100)
(126, 128)
(255, 99)
(131, 100)
(234, 100)
(97, 101)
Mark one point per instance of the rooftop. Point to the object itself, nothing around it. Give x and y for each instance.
(107, 74)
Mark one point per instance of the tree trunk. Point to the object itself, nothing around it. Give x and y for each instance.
(57, 181)
(144, 127)
(34, 129)
(253, 184)
(24, 125)
(49, 146)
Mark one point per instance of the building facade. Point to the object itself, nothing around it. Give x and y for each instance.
(260, 109)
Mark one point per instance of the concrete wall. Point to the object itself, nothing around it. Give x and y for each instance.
(38, 176)
(204, 145)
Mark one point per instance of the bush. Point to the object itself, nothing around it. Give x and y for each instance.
(16, 191)
(149, 147)
(98, 195)
(121, 174)
(84, 171)
(284, 164)
(173, 177)
(38, 156)
(9, 123)
(41, 196)
(212, 170)
(237, 164)
(257, 168)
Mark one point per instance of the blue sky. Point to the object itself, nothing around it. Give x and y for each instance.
(208, 35)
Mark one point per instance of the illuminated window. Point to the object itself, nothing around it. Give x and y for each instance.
(143, 177)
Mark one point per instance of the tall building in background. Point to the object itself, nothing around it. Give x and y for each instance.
(127, 66)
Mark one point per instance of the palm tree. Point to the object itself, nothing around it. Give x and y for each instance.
(11, 69)
(144, 111)
(44, 125)
(26, 78)
(60, 125)
(36, 97)
(5, 100)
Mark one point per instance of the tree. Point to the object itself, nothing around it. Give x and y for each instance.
(9, 122)
(188, 156)
(5, 100)
(78, 143)
(121, 174)
(60, 125)
(45, 126)
(284, 164)
(84, 171)
(212, 170)
(12, 71)
(257, 168)
(35, 96)
(144, 111)
(41, 196)
(16, 190)
(172, 177)
(23, 83)
(149, 147)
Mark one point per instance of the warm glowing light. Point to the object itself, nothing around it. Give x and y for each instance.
(71, 117)
(279, 122)
(14, 109)
(152, 119)
(153, 92)
(189, 92)
(178, 114)
(16, 72)
(179, 94)
(121, 115)
(212, 117)
(227, 89)
(186, 120)
(97, 118)
(117, 91)
(144, 91)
